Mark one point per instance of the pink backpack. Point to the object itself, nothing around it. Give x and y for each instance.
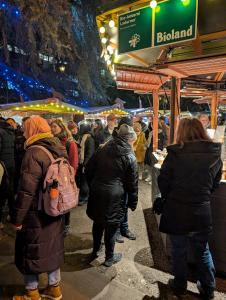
(62, 173)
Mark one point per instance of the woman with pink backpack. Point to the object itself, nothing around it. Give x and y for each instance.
(60, 131)
(40, 237)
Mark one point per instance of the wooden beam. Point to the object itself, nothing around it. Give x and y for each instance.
(139, 59)
(213, 36)
(172, 71)
(197, 45)
(155, 119)
(132, 55)
(214, 105)
(174, 108)
(121, 9)
(219, 76)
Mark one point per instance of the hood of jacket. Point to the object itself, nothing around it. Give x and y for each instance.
(196, 147)
(119, 147)
(53, 145)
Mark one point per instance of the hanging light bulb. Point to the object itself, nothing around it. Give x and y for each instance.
(104, 40)
(109, 48)
(108, 62)
(111, 51)
(153, 4)
(113, 73)
(111, 24)
(102, 29)
(106, 57)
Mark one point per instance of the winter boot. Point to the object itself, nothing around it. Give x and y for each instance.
(52, 292)
(29, 295)
(113, 260)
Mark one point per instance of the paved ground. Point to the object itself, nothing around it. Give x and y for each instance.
(142, 274)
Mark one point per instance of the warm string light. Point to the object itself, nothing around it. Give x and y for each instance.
(153, 4)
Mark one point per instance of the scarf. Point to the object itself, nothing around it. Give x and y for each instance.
(82, 145)
(37, 137)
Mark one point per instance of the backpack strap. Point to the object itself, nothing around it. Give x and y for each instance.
(49, 154)
(46, 151)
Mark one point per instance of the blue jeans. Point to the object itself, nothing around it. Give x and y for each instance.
(203, 258)
(124, 225)
(31, 281)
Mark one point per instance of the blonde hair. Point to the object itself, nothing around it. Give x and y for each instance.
(191, 130)
(137, 127)
(63, 127)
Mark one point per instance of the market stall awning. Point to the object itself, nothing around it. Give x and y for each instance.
(194, 67)
(138, 80)
(50, 105)
(106, 110)
(142, 112)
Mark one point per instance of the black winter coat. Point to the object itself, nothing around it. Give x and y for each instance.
(7, 143)
(40, 243)
(102, 136)
(187, 178)
(111, 173)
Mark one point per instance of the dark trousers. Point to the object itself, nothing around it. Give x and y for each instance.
(67, 218)
(7, 194)
(204, 262)
(84, 189)
(124, 225)
(109, 231)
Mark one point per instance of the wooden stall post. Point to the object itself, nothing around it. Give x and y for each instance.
(174, 107)
(155, 119)
(214, 105)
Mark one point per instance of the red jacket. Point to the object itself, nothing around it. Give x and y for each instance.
(72, 152)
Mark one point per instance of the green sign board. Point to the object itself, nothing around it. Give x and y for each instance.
(135, 30)
(175, 21)
(172, 21)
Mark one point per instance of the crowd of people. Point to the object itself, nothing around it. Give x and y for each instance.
(107, 161)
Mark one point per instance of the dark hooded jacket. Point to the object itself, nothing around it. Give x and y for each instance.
(40, 243)
(7, 141)
(111, 173)
(187, 178)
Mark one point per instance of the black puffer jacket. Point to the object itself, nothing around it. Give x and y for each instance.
(40, 243)
(187, 178)
(102, 136)
(111, 173)
(7, 142)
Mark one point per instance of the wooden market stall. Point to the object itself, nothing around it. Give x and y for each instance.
(150, 52)
(50, 107)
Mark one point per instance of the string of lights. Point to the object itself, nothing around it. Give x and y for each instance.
(20, 82)
(13, 10)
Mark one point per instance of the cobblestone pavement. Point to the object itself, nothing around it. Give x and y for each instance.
(142, 274)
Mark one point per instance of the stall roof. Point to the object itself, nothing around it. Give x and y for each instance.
(106, 110)
(138, 79)
(50, 105)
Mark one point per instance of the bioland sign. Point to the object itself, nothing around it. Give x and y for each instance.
(172, 21)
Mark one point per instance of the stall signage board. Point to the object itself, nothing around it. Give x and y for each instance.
(171, 22)
(175, 21)
(135, 30)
